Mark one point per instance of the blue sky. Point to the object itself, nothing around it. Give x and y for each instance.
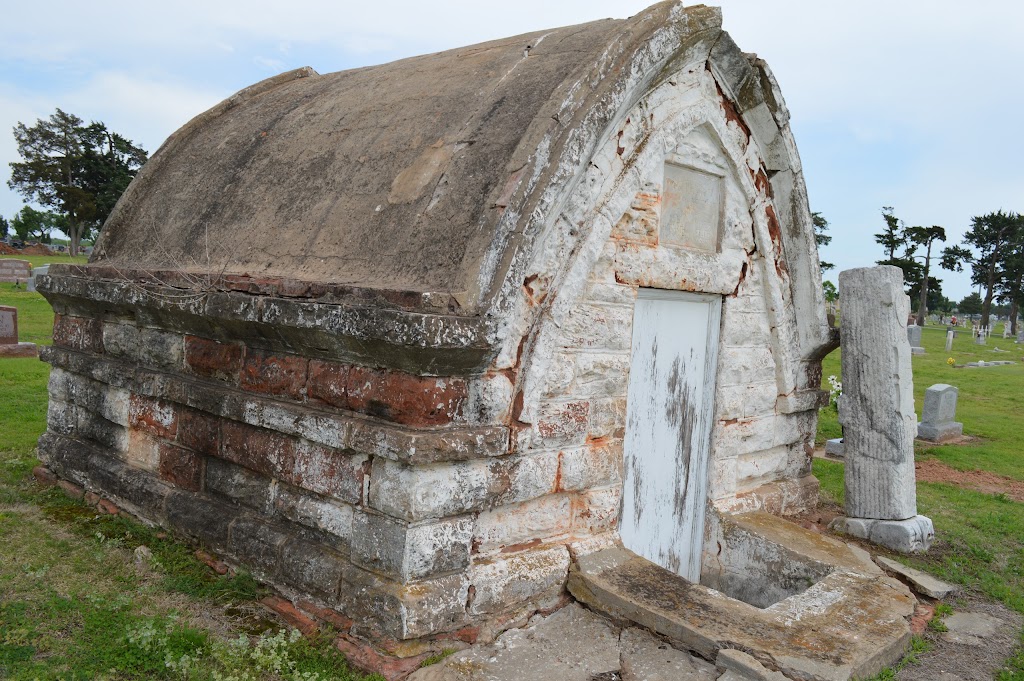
(899, 103)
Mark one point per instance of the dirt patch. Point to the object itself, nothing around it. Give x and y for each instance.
(933, 470)
(949, 661)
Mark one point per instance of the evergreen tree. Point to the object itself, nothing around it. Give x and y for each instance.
(77, 170)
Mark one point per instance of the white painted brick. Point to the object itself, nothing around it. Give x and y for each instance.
(618, 294)
(430, 491)
(607, 418)
(561, 424)
(529, 476)
(597, 327)
(744, 329)
(543, 518)
(595, 465)
(501, 583)
(722, 477)
(596, 511)
(761, 466)
(746, 401)
(743, 437)
(744, 366)
(600, 374)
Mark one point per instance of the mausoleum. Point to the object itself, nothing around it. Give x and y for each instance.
(414, 341)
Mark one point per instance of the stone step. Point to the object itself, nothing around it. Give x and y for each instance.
(851, 624)
(920, 582)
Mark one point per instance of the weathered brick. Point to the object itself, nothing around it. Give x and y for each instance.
(406, 551)
(313, 568)
(607, 418)
(182, 468)
(743, 366)
(600, 374)
(201, 517)
(125, 483)
(597, 510)
(328, 383)
(78, 333)
(291, 615)
(257, 543)
(406, 611)
(211, 359)
(331, 472)
(71, 489)
(61, 417)
(596, 464)
(96, 428)
(314, 511)
(430, 491)
(598, 327)
(257, 449)
(156, 417)
(500, 584)
(198, 431)
(404, 398)
(145, 346)
(269, 374)
(517, 525)
(44, 476)
(143, 451)
(240, 485)
(562, 424)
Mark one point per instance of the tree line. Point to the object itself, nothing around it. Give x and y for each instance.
(993, 249)
(74, 171)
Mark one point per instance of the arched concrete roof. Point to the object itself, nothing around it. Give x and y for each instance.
(389, 177)
(422, 187)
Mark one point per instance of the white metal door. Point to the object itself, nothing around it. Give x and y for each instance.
(668, 427)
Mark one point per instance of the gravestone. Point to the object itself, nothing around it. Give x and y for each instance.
(937, 424)
(950, 335)
(14, 271)
(914, 338)
(979, 337)
(876, 411)
(9, 345)
(36, 273)
(1020, 333)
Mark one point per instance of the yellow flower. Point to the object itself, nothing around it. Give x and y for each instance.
(951, 361)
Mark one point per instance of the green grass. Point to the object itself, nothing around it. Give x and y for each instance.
(53, 259)
(990, 403)
(73, 603)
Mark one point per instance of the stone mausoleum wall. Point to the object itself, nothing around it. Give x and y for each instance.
(429, 461)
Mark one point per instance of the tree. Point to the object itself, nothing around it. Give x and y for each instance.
(75, 169)
(30, 224)
(5, 227)
(925, 237)
(893, 238)
(970, 304)
(994, 237)
(820, 238)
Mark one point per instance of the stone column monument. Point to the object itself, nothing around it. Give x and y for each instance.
(876, 410)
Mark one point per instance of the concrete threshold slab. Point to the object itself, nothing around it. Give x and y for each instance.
(850, 624)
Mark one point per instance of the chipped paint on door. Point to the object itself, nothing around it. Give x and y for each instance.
(668, 431)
